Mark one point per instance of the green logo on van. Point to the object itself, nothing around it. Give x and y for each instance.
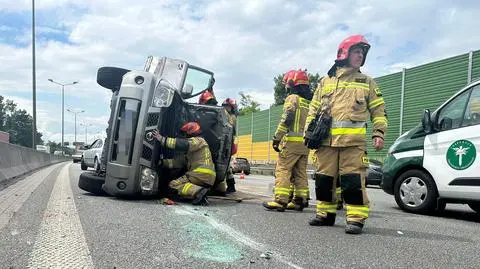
(461, 154)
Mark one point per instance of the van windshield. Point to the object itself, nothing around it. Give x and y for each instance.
(199, 79)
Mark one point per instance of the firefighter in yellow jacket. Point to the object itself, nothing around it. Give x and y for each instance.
(231, 108)
(200, 175)
(293, 156)
(341, 106)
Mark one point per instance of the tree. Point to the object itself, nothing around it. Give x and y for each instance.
(280, 93)
(18, 123)
(247, 104)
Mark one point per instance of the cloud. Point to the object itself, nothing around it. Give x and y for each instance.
(246, 43)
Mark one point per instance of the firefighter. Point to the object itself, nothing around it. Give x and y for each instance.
(291, 168)
(343, 102)
(230, 106)
(200, 175)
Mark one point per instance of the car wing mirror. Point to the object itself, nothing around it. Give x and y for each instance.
(427, 121)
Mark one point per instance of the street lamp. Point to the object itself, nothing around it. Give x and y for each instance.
(34, 81)
(86, 125)
(75, 113)
(63, 101)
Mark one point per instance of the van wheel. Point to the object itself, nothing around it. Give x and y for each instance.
(92, 183)
(415, 191)
(475, 207)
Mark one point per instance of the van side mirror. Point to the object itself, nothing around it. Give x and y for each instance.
(111, 77)
(427, 121)
(187, 90)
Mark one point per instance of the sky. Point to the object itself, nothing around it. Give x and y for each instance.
(245, 43)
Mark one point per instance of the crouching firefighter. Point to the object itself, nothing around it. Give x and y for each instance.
(291, 168)
(336, 128)
(200, 175)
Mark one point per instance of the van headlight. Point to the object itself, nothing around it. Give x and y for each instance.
(147, 179)
(163, 95)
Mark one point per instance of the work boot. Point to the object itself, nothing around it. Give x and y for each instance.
(201, 197)
(274, 205)
(353, 227)
(290, 206)
(322, 221)
(231, 188)
(298, 204)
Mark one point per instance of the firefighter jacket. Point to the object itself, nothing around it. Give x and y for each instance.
(291, 126)
(350, 98)
(198, 158)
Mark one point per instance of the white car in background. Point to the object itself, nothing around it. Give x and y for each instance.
(92, 154)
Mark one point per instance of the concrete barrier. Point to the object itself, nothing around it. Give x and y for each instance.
(17, 160)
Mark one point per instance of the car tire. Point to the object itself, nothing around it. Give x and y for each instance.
(83, 166)
(96, 165)
(421, 185)
(475, 206)
(92, 183)
(247, 172)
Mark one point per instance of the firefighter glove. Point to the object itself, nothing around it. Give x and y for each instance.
(275, 144)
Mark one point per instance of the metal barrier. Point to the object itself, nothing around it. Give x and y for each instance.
(17, 160)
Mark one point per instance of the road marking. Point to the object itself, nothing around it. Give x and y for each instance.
(60, 242)
(264, 195)
(13, 197)
(236, 235)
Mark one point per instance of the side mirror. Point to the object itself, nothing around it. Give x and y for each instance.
(84, 147)
(187, 90)
(427, 121)
(111, 77)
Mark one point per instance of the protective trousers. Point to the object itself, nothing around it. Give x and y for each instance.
(291, 169)
(349, 165)
(188, 187)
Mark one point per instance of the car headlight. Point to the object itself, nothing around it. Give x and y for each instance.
(163, 95)
(147, 179)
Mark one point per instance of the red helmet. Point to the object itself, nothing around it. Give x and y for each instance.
(301, 77)
(348, 43)
(205, 97)
(230, 102)
(191, 128)
(295, 77)
(288, 76)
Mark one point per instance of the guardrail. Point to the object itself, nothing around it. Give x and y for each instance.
(16, 160)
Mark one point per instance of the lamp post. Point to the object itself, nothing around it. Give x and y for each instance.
(86, 126)
(63, 106)
(34, 82)
(75, 113)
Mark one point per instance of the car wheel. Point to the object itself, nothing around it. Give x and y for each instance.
(83, 166)
(96, 165)
(415, 191)
(247, 172)
(475, 206)
(92, 183)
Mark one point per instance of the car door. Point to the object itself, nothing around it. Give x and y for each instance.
(89, 154)
(451, 152)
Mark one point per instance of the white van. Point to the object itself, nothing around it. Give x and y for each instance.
(438, 161)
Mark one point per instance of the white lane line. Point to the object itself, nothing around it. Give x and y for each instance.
(13, 197)
(235, 235)
(264, 195)
(60, 242)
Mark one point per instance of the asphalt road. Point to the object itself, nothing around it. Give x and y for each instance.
(46, 220)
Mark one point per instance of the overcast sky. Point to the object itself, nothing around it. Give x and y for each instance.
(246, 43)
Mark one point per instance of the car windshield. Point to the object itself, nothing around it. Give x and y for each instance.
(198, 78)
